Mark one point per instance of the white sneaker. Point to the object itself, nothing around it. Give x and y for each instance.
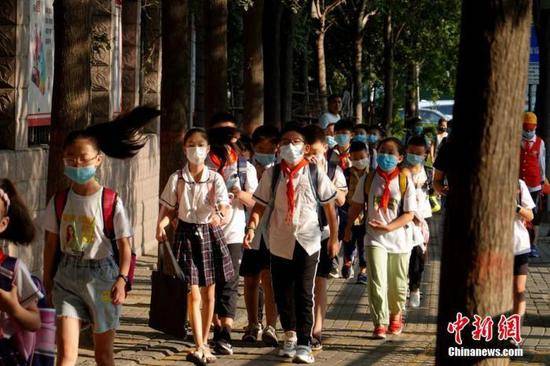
(289, 345)
(414, 299)
(303, 355)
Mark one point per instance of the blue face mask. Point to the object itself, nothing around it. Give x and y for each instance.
(342, 139)
(418, 130)
(387, 162)
(264, 159)
(331, 142)
(360, 138)
(371, 139)
(528, 135)
(414, 159)
(80, 175)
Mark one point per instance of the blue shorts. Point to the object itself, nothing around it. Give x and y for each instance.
(82, 290)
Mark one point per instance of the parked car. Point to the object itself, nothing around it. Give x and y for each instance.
(443, 106)
(429, 117)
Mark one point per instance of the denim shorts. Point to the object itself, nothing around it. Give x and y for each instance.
(82, 290)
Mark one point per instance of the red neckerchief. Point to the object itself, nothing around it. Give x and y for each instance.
(2, 256)
(215, 159)
(343, 158)
(388, 177)
(290, 173)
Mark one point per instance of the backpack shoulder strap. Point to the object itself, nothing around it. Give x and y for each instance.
(314, 179)
(179, 187)
(331, 169)
(108, 204)
(60, 200)
(403, 183)
(242, 165)
(7, 272)
(275, 179)
(368, 185)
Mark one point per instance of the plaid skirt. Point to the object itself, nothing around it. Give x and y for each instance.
(202, 254)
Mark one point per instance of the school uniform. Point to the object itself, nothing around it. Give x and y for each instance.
(295, 244)
(522, 244)
(387, 253)
(227, 293)
(200, 248)
(533, 170)
(421, 231)
(325, 261)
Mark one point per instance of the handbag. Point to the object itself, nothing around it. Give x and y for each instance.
(168, 308)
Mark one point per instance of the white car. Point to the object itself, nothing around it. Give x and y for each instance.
(443, 106)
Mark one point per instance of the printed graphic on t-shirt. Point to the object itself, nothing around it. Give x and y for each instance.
(393, 204)
(79, 232)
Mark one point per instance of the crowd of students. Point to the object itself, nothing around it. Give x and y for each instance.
(276, 208)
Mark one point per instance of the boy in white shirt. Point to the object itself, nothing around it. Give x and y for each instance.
(294, 236)
(391, 202)
(315, 137)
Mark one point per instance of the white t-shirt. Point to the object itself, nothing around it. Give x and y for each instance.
(261, 230)
(522, 243)
(340, 184)
(234, 229)
(424, 209)
(27, 292)
(199, 199)
(327, 118)
(81, 229)
(397, 241)
(304, 227)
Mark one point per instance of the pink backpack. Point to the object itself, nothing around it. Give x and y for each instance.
(36, 348)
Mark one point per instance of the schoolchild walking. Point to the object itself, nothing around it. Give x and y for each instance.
(255, 266)
(241, 182)
(315, 138)
(390, 197)
(421, 176)
(198, 198)
(19, 295)
(87, 254)
(294, 190)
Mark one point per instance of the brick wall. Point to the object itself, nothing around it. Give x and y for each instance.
(136, 180)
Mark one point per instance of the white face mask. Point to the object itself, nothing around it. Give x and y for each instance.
(196, 154)
(360, 164)
(292, 154)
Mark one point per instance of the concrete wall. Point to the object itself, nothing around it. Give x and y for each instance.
(136, 180)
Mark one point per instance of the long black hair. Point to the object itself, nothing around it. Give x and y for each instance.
(121, 138)
(219, 139)
(20, 228)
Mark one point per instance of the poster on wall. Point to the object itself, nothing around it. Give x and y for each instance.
(41, 51)
(116, 59)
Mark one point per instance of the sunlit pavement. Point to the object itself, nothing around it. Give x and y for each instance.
(347, 338)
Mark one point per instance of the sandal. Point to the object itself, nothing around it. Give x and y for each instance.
(197, 357)
(208, 356)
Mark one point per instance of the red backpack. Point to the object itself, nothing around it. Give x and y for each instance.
(108, 203)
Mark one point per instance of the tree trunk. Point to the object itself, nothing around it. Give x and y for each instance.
(358, 76)
(71, 95)
(542, 107)
(175, 87)
(253, 115)
(321, 68)
(477, 255)
(411, 91)
(387, 117)
(272, 62)
(215, 57)
(287, 64)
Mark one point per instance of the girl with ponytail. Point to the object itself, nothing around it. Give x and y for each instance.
(87, 255)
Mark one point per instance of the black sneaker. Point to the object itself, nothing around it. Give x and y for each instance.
(316, 343)
(223, 345)
(252, 333)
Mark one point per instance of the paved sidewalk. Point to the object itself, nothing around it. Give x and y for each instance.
(347, 338)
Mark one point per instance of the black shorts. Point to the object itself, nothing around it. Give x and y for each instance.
(255, 261)
(325, 262)
(521, 264)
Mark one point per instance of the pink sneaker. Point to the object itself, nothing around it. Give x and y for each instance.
(379, 332)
